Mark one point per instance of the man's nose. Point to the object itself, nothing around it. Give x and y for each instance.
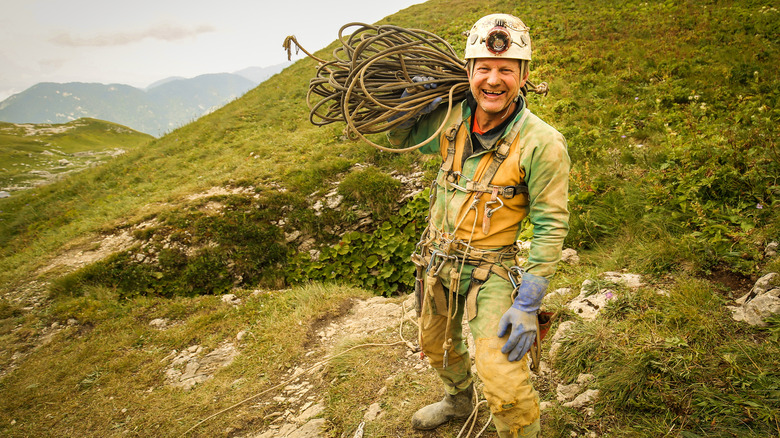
(493, 78)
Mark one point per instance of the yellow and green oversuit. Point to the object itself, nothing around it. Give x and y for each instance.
(537, 157)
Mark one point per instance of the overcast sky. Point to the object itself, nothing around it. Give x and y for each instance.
(137, 42)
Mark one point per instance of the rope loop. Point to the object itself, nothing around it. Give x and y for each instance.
(362, 86)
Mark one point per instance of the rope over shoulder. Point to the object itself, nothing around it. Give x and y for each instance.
(362, 86)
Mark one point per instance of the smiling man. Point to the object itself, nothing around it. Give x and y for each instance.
(501, 164)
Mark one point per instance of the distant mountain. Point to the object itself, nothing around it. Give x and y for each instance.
(162, 107)
(260, 74)
(164, 81)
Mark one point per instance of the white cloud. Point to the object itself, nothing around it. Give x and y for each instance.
(162, 32)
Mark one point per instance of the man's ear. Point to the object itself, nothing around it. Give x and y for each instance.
(523, 80)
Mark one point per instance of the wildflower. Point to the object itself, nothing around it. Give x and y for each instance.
(759, 206)
(609, 295)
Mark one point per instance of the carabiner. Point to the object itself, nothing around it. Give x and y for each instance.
(489, 211)
(516, 271)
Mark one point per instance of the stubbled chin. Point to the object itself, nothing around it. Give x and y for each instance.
(493, 105)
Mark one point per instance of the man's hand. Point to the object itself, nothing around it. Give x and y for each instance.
(414, 90)
(523, 332)
(522, 317)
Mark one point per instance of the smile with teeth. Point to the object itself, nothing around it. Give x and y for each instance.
(493, 93)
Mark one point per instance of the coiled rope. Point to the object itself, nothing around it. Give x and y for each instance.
(362, 86)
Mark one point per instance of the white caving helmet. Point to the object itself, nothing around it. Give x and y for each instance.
(499, 36)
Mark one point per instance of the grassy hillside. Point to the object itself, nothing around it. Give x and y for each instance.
(670, 110)
(40, 147)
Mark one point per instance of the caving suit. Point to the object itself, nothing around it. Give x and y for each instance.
(470, 243)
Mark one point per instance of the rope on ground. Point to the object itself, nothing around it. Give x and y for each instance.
(362, 86)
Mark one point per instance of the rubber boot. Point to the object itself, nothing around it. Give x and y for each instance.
(434, 415)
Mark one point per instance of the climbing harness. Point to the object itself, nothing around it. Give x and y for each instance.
(362, 86)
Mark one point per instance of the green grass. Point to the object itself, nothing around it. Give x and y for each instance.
(113, 360)
(40, 147)
(677, 362)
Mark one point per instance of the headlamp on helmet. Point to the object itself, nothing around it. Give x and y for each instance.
(498, 40)
(499, 36)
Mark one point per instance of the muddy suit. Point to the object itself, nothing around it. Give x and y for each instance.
(470, 244)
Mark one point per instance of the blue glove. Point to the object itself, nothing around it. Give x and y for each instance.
(427, 109)
(522, 317)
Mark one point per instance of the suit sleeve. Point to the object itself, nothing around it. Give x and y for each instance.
(547, 175)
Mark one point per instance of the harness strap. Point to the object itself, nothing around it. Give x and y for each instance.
(479, 276)
(451, 133)
(499, 155)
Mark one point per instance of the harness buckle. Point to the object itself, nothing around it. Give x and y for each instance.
(509, 192)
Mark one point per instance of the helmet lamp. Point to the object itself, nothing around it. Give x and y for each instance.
(498, 40)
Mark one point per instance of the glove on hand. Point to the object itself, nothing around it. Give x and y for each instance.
(522, 317)
(411, 91)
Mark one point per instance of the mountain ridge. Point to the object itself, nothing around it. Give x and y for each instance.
(156, 109)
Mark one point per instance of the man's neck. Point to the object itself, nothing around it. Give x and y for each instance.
(488, 121)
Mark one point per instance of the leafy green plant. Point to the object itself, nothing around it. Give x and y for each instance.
(379, 261)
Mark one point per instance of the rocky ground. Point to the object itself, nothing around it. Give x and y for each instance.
(296, 403)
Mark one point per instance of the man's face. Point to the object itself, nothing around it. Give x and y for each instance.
(495, 83)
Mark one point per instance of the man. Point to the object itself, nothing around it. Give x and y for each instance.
(501, 164)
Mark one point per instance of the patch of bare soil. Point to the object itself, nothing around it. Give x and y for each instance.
(731, 285)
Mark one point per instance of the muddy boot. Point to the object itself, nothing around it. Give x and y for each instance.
(434, 415)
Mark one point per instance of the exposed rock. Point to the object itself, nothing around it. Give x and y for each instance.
(584, 399)
(560, 292)
(290, 237)
(771, 249)
(4, 194)
(307, 245)
(588, 306)
(589, 286)
(633, 281)
(231, 299)
(317, 207)
(333, 200)
(367, 317)
(573, 394)
(374, 411)
(567, 392)
(762, 286)
(761, 302)
(563, 329)
(196, 369)
(570, 256)
(313, 429)
(159, 323)
(310, 411)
